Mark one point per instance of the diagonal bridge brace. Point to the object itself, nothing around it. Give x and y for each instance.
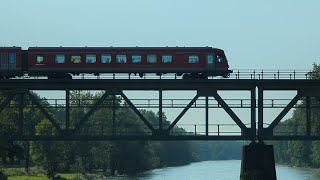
(47, 115)
(145, 121)
(91, 111)
(284, 112)
(182, 113)
(6, 101)
(228, 110)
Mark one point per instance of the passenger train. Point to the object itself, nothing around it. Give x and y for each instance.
(65, 62)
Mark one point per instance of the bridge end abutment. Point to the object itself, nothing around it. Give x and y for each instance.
(258, 162)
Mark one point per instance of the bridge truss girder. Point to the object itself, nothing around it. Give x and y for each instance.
(116, 88)
(204, 88)
(307, 89)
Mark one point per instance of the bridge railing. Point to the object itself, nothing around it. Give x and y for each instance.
(294, 129)
(104, 129)
(166, 103)
(236, 74)
(213, 130)
(271, 74)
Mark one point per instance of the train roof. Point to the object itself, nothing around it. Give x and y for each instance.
(111, 47)
(12, 47)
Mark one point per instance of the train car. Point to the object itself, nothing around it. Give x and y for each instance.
(191, 62)
(10, 62)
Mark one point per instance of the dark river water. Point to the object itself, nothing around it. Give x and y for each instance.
(219, 170)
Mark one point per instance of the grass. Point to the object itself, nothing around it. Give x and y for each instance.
(44, 177)
(35, 173)
(28, 177)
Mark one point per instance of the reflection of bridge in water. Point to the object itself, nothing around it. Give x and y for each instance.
(207, 96)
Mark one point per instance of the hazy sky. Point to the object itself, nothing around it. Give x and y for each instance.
(255, 34)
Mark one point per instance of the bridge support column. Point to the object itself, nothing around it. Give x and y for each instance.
(258, 162)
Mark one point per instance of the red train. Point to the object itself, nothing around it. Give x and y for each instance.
(63, 62)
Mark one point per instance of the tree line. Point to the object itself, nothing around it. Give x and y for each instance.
(112, 157)
(300, 153)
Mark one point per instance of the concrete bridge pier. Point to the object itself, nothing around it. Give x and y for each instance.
(258, 162)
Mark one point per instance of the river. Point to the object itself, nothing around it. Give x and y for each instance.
(218, 170)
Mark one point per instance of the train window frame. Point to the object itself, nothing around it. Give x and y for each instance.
(193, 59)
(167, 58)
(139, 58)
(106, 58)
(211, 58)
(40, 59)
(121, 58)
(12, 58)
(152, 58)
(60, 58)
(75, 58)
(91, 61)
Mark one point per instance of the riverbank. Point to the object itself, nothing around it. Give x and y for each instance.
(36, 173)
(314, 171)
(199, 170)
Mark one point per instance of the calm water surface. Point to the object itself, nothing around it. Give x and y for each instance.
(219, 170)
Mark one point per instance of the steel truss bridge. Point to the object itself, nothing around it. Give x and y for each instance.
(207, 96)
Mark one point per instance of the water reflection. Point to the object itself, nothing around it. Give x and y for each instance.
(219, 170)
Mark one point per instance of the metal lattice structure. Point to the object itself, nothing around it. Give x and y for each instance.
(207, 90)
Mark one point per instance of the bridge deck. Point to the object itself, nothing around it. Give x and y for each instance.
(147, 84)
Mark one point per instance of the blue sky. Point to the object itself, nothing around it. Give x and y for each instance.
(255, 34)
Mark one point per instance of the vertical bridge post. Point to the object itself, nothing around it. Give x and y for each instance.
(67, 111)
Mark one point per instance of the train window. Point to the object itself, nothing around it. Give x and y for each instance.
(105, 58)
(40, 59)
(121, 58)
(136, 58)
(60, 58)
(193, 59)
(210, 59)
(91, 58)
(167, 58)
(12, 58)
(76, 59)
(152, 58)
(219, 59)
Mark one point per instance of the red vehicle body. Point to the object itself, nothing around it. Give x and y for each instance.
(62, 62)
(10, 61)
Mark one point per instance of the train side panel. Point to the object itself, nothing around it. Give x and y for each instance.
(10, 62)
(46, 61)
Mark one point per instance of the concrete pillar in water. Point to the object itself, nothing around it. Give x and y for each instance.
(258, 162)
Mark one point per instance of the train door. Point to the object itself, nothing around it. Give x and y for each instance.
(7, 63)
(211, 67)
(12, 63)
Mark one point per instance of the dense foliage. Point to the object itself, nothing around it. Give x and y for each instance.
(300, 153)
(122, 157)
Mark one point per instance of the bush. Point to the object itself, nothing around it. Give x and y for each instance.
(3, 176)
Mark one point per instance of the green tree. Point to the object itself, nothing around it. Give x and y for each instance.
(300, 153)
